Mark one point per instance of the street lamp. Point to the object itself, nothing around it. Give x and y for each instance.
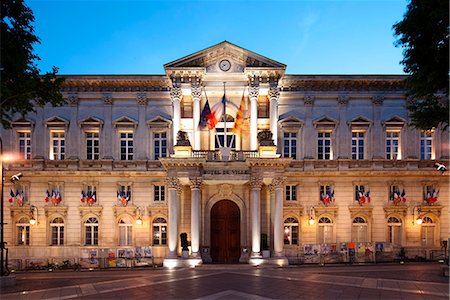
(4, 261)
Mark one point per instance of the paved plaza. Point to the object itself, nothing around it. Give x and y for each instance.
(214, 282)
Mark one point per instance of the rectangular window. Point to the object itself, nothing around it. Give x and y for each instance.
(58, 145)
(392, 144)
(220, 138)
(359, 189)
(126, 146)
(92, 146)
(324, 145)
(426, 145)
(186, 107)
(394, 192)
(125, 231)
(160, 144)
(263, 107)
(357, 145)
(25, 144)
(290, 145)
(160, 193)
(291, 193)
(395, 234)
(23, 235)
(159, 234)
(57, 235)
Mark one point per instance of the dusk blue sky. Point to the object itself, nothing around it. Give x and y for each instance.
(139, 37)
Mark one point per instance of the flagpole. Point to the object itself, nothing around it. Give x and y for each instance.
(224, 116)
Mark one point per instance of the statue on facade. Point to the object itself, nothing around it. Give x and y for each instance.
(182, 139)
(265, 138)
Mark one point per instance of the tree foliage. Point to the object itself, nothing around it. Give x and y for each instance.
(22, 87)
(423, 34)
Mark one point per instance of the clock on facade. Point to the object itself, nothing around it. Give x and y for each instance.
(225, 65)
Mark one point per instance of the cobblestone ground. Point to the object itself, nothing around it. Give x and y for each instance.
(411, 281)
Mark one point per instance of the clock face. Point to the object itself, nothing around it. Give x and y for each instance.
(225, 65)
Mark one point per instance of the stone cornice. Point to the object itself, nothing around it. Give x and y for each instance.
(116, 83)
(268, 162)
(169, 163)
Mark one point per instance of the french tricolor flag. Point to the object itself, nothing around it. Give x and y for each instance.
(216, 112)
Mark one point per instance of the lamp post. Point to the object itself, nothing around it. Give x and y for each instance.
(3, 269)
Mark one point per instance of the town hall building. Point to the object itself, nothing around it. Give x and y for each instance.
(297, 169)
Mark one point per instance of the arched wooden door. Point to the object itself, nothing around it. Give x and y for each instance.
(225, 232)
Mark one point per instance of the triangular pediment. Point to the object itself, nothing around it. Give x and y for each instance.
(394, 121)
(209, 59)
(90, 121)
(325, 121)
(290, 122)
(125, 121)
(360, 121)
(159, 121)
(56, 121)
(23, 122)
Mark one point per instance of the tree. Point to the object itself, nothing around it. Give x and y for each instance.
(21, 85)
(423, 33)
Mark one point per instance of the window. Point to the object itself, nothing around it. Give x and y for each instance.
(159, 231)
(392, 144)
(290, 145)
(325, 230)
(126, 146)
(291, 193)
(357, 145)
(220, 133)
(394, 192)
(326, 194)
(291, 231)
(125, 232)
(25, 144)
(395, 230)
(428, 232)
(160, 193)
(359, 230)
(263, 107)
(23, 232)
(57, 232)
(58, 146)
(324, 145)
(160, 144)
(426, 145)
(362, 194)
(92, 146)
(186, 107)
(91, 232)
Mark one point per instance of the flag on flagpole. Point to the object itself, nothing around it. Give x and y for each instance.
(11, 196)
(47, 196)
(206, 112)
(216, 112)
(237, 129)
(83, 196)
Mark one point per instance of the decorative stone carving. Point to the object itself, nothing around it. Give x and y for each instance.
(196, 92)
(253, 91)
(172, 182)
(226, 190)
(278, 182)
(176, 93)
(274, 92)
(265, 138)
(141, 99)
(309, 100)
(343, 99)
(182, 139)
(72, 100)
(256, 182)
(107, 100)
(196, 182)
(378, 100)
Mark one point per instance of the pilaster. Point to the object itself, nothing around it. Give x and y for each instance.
(253, 92)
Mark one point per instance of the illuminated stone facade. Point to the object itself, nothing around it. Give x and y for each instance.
(339, 139)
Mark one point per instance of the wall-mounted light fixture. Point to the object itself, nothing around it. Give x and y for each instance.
(417, 220)
(33, 215)
(311, 220)
(139, 215)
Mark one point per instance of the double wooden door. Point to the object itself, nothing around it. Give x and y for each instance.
(225, 232)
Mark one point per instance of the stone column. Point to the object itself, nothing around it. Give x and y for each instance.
(140, 140)
(274, 95)
(39, 135)
(253, 92)
(107, 145)
(278, 222)
(377, 133)
(255, 214)
(343, 136)
(73, 137)
(173, 184)
(196, 184)
(175, 96)
(310, 135)
(196, 92)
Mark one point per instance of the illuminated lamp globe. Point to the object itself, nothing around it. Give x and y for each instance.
(32, 221)
(139, 221)
(311, 221)
(419, 221)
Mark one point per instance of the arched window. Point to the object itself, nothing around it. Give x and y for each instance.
(57, 232)
(291, 231)
(125, 232)
(395, 230)
(428, 227)
(159, 231)
(220, 133)
(91, 232)
(23, 232)
(325, 230)
(359, 230)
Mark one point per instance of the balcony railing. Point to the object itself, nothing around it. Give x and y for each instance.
(214, 155)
